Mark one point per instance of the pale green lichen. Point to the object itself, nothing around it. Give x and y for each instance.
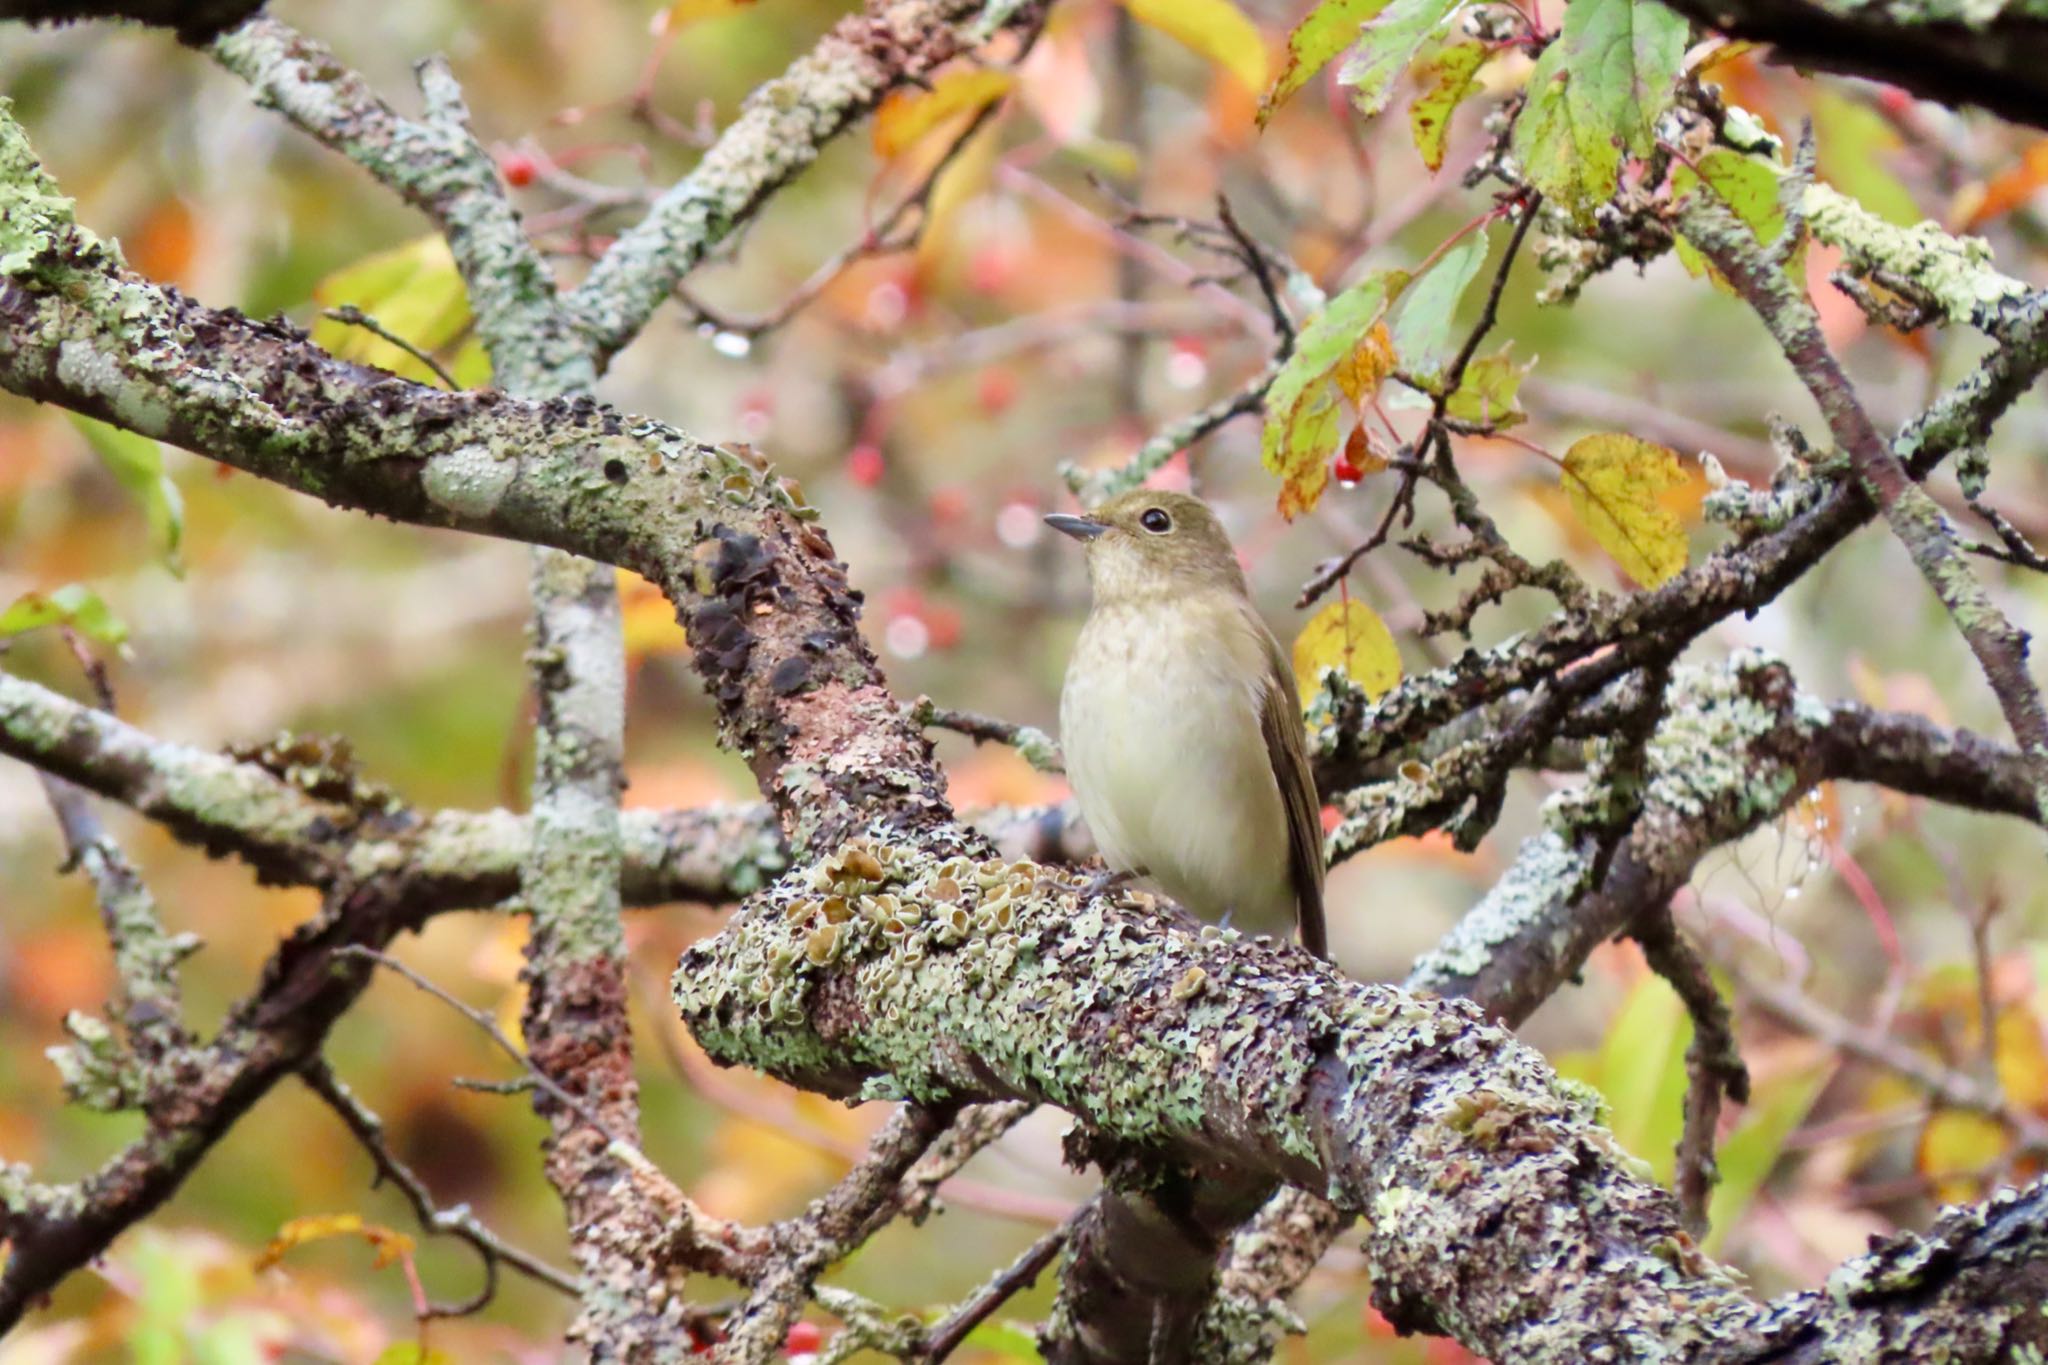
(1954, 273)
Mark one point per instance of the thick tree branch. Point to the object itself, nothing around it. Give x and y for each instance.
(1501, 1213)
(1994, 55)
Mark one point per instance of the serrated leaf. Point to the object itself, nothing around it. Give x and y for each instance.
(1349, 637)
(1327, 30)
(1576, 167)
(1747, 184)
(1385, 50)
(1360, 373)
(73, 605)
(389, 1246)
(1216, 29)
(1624, 58)
(137, 464)
(1429, 309)
(1487, 392)
(1302, 413)
(1296, 445)
(907, 115)
(1612, 481)
(413, 291)
(1446, 76)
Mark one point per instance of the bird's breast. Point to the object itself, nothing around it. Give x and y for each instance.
(1160, 722)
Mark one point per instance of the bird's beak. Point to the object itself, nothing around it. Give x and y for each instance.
(1080, 528)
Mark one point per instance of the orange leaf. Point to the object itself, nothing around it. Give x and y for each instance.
(2013, 187)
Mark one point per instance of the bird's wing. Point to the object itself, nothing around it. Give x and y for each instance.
(1287, 748)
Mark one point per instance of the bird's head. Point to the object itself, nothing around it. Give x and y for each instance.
(1152, 543)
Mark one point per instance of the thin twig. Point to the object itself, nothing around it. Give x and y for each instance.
(946, 1336)
(1038, 748)
(456, 1222)
(1713, 1062)
(1950, 1088)
(356, 317)
(484, 1021)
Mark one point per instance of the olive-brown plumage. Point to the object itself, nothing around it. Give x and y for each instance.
(1183, 737)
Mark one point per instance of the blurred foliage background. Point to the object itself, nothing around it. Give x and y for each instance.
(924, 399)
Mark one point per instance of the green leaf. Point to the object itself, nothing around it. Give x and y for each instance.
(1446, 76)
(1613, 481)
(137, 463)
(1385, 49)
(1487, 393)
(1302, 412)
(1639, 1069)
(72, 605)
(1576, 167)
(1624, 58)
(1599, 89)
(413, 291)
(1854, 146)
(1747, 184)
(1010, 1340)
(1429, 311)
(1746, 1158)
(1328, 29)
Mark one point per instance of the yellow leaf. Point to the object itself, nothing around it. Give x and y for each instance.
(2022, 1058)
(1370, 362)
(908, 115)
(690, 11)
(1612, 481)
(1349, 637)
(390, 1246)
(650, 621)
(1215, 28)
(957, 186)
(412, 291)
(1956, 1149)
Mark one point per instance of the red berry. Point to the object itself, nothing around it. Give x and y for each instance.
(989, 269)
(864, 464)
(944, 624)
(1894, 101)
(1346, 471)
(997, 391)
(517, 168)
(804, 1339)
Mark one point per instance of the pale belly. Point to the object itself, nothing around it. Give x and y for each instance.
(1172, 774)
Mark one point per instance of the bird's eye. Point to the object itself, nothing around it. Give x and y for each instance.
(1156, 521)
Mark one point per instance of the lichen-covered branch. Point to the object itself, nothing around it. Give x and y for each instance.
(1501, 1213)
(779, 133)
(1993, 53)
(146, 955)
(1914, 517)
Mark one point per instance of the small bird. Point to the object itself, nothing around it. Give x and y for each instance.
(1183, 736)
